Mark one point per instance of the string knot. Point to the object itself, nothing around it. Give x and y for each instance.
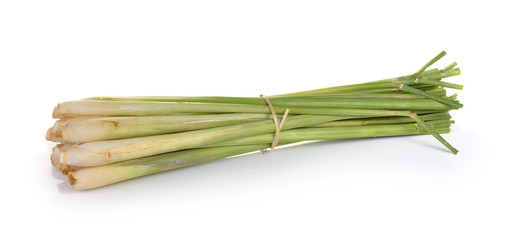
(278, 126)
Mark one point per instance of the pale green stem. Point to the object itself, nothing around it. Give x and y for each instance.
(434, 133)
(430, 96)
(341, 107)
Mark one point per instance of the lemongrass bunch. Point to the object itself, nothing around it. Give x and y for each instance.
(103, 140)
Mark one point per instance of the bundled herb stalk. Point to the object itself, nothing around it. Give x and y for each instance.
(103, 140)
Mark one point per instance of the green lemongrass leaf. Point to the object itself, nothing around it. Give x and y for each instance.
(449, 67)
(441, 84)
(436, 58)
(451, 72)
(383, 120)
(430, 96)
(434, 133)
(334, 133)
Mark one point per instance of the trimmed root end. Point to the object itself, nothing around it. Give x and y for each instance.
(55, 133)
(55, 113)
(55, 159)
(71, 179)
(49, 135)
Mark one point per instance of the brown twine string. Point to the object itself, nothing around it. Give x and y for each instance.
(278, 127)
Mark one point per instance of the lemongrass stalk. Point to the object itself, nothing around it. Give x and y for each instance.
(433, 132)
(109, 151)
(446, 101)
(383, 120)
(391, 94)
(393, 104)
(449, 67)
(87, 129)
(394, 88)
(93, 177)
(436, 58)
(333, 133)
(219, 99)
(297, 106)
(358, 95)
(441, 83)
(277, 101)
(449, 73)
(83, 108)
(259, 101)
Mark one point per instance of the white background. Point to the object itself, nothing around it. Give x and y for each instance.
(390, 188)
